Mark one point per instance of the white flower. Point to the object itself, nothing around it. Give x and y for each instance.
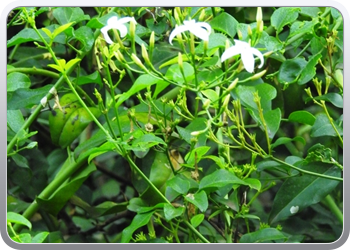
(247, 54)
(200, 29)
(115, 23)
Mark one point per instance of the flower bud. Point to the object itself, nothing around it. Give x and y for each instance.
(145, 54)
(250, 32)
(225, 103)
(206, 104)
(232, 85)
(339, 77)
(119, 56)
(180, 61)
(202, 16)
(138, 62)
(258, 75)
(132, 29)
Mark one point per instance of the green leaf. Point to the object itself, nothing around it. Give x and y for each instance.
(319, 153)
(30, 35)
(25, 35)
(335, 98)
(199, 199)
(219, 161)
(146, 141)
(141, 83)
(218, 179)
(105, 208)
(285, 140)
(66, 15)
(104, 148)
(300, 192)
(20, 160)
(225, 23)
(66, 126)
(309, 11)
(216, 41)
(253, 183)
(302, 116)
(47, 32)
(273, 120)
(98, 23)
(197, 220)
(171, 212)
(22, 238)
(323, 127)
(266, 92)
(18, 219)
(263, 235)
(179, 184)
(138, 221)
(271, 43)
(92, 78)
(85, 35)
(310, 70)
(196, 155)
(16, 81)
(15, 120)
(61, 29)
(174, 73)
(196, 125)
(71, 63)
(210, 94)
(59, 198)
(283, 16)
(291, 69)
(40, 237)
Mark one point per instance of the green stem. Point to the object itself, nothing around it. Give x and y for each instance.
(305, 171)
(151, 185)
(34, 71)
(51, 188)
(199, 235)
(329, 202)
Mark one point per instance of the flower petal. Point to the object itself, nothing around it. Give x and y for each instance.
(112, 22)
(205, 25)
(104, 32)
(177, 31)
(122, 29)
(256, 52)
(248, 60)
(200, 32)
(126, 20)
(230, 52)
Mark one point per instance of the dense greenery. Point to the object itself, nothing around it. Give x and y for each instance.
(175, 124)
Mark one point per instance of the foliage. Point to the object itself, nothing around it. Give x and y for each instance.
(146, 139)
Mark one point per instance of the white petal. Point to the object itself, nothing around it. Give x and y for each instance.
(205, 25)
(248, 60)
(177, 31)
(230, 52)
(258, 54)
(104, 32)
(241, 44)
(126, 20)
(112, 22)
(200, 32)
(122, 29)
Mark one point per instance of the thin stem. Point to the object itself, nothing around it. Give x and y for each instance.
(330, 203)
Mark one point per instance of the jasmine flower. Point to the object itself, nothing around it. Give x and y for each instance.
(200, 29)
(247, 54)
(115, 23)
